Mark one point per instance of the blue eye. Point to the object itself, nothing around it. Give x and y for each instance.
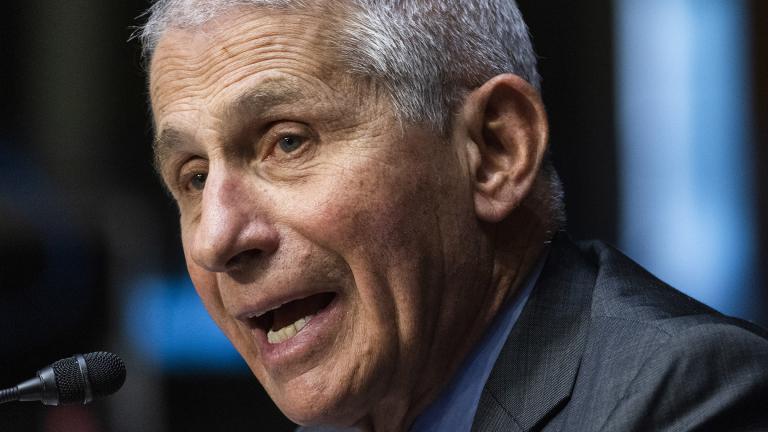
(290, 143)
(198, 181)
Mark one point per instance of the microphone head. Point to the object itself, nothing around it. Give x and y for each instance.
(106, 371)
(105, 374)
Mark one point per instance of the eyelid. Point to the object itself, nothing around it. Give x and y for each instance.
(186, 171)
(279, 130)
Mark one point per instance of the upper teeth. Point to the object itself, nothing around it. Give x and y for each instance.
(287, 332)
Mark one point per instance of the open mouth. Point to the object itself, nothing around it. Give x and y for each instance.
(286, 321)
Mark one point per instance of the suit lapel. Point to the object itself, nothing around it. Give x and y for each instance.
(537, 367)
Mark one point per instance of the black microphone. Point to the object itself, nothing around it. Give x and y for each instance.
(77, 379)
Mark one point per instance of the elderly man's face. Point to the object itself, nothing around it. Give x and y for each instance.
(336, 249)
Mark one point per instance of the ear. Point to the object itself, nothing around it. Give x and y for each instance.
(506, 135)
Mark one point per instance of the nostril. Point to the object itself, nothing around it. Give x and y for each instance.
(241, 259)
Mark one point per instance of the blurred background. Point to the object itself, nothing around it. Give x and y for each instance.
(659, 114)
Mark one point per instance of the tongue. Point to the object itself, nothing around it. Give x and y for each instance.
(290, 312)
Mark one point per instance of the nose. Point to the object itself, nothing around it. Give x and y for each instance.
(232, 228)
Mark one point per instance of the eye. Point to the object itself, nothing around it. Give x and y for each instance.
(197, 181)
(290, 143)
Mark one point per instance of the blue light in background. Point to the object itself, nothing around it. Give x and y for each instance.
(168, 325)
(684, 98)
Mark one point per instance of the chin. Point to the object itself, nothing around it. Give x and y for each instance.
(314, 411)
(328, 402)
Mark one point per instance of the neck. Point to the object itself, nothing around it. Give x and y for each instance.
(516, 246)
(520, 241)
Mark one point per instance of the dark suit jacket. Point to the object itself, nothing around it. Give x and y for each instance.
(602, 345)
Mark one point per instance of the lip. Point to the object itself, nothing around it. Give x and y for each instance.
(270, 303)
(319, 332)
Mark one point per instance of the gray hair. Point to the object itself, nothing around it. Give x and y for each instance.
(425, 54)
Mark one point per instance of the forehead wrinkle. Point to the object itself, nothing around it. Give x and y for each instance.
(191, 64)
(209, 49)
(221, 66)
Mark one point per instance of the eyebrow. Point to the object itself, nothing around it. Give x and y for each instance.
(254, 102)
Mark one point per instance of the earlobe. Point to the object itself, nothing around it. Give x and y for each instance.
(508, 133)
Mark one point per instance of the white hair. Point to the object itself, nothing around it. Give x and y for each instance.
(425, 54)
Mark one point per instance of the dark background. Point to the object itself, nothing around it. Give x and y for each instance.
(82, 212)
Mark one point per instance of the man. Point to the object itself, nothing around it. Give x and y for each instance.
(368, 214)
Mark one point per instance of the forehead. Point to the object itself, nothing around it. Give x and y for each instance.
(215, 61)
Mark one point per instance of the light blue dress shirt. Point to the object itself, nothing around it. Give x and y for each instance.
(455, 408)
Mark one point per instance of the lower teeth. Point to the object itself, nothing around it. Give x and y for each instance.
(287, 332)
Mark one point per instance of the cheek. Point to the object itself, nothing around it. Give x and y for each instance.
(385, 227)
(368, 212)
(207, 289)
(206, 285)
